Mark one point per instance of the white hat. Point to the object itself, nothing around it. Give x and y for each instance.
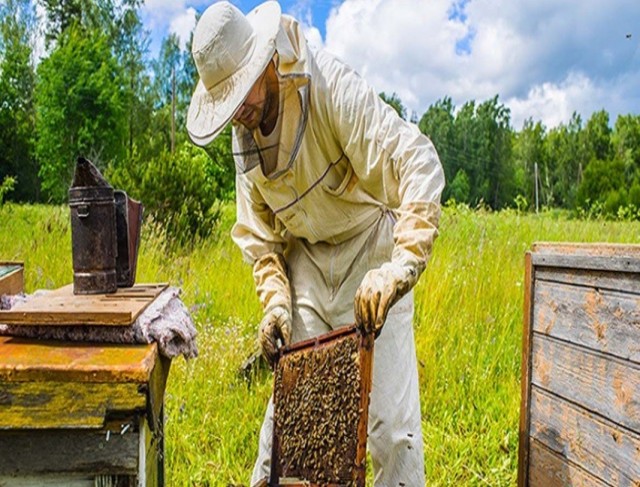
(230, 51)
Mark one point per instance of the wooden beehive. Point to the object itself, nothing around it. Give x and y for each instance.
(81, 414)
(11, 277)
(580, 410)
(321, 402)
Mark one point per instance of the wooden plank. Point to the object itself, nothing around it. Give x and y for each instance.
(548, 469)
(523, 432)
(608, 321)
(613, 263)
(42, 405)
(616, 281)
(41, 361)
(155, 392)
(602, 448)
(11, 278)
(607, 386)
(49, 481)
(149, 457)
(62, 307)
(48, 451)
(587, 249)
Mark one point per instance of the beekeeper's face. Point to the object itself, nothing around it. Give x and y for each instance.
(254, 109)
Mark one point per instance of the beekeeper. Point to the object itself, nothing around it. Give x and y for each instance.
(337, 207)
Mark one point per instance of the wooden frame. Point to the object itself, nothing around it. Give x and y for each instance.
(11, 281)
(580, 404)
(366, 343)
(523, 445)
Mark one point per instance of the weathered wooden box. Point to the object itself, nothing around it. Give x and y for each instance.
(11, 277)
(78, 413)
(580, 410)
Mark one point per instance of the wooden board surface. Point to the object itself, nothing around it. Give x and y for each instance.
(63, 308)
(72, 385)
(32, 360)
(11, 277)
(602, 448)
(60, 405)
(598, 383)
(549, 469)
(604, 280)
(95, 452)
(609, 257)
(600, 319)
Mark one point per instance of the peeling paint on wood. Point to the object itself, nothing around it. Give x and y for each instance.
(552, 470)
(34, 360)
(608, 321)
(599, 446)
(597, 382)
(39, 405)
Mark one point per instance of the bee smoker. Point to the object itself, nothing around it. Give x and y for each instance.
(105, 230)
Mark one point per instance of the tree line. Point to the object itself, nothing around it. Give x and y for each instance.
(80, 80)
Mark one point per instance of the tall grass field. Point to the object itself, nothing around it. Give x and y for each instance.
(468, 334)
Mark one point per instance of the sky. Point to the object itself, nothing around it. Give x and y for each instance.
(545, 59)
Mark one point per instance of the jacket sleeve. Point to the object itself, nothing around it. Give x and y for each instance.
(392, 159)
(258, 234)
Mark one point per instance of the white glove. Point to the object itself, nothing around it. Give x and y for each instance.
(380, 289)
(276, 325)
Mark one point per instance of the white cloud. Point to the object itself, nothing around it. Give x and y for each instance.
(301, 10)
(163, 17)
(546, 59)
(183, 24)
(554, 103)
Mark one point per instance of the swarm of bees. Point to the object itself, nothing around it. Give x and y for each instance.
(317, 409)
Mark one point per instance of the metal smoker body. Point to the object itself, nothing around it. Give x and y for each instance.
(105, 233)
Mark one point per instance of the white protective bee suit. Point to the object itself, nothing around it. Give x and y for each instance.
(354, 188)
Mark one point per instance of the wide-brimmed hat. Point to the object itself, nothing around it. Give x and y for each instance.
(230, 52)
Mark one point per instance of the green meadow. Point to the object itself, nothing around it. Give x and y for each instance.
(468, 334)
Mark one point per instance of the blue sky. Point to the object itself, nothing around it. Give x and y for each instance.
(544, 58)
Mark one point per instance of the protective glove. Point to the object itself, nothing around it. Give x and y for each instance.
(276, 325)
(413, 236)
(380, 289)
(274, 292)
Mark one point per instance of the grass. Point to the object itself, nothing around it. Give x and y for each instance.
(468, 334)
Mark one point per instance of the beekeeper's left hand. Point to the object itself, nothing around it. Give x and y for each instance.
(380, 289)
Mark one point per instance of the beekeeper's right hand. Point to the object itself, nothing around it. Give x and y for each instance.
(276, 325)
(272, 285)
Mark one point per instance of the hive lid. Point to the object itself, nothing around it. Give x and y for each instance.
(62, 307)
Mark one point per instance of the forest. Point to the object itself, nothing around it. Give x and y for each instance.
(80, 80)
